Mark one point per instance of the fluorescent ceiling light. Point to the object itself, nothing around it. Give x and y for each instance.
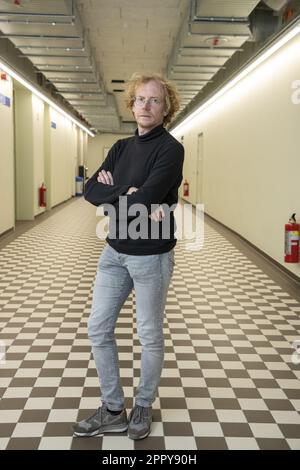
(259, 60)
(43, 97)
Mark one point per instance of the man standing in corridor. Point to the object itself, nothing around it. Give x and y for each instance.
(145, 169)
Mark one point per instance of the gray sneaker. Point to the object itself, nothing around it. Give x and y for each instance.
(100, 422)
(140, 420)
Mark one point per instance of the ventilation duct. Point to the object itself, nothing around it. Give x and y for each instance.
(212, 32)
(50, 34)
(276, 5)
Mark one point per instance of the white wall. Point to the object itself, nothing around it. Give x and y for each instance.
(25, 181)
(38, 150)
(62, 155)
(46, 152)
(85, 143)
(96, 149)
(79, 146)
(74, 164)
(29, 138)
(47, 159)
(7, 196)
(251, 141)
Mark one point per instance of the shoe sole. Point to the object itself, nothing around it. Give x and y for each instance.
(100, 431)
(137, 438)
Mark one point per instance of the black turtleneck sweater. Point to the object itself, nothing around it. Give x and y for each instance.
(152, 163)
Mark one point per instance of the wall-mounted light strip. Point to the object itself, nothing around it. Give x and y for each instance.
(36, 92)
(290, 34)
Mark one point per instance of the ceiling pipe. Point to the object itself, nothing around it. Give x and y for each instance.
(82, 49)
(39, 36)
(220, 19)
(56, 56)
(35, 15)
(33, 23)
(219, 48)
(231, 35)
(200, 66)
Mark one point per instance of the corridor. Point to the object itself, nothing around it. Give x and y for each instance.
(229, 381)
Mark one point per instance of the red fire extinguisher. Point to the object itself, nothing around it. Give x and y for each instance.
(42, 196)
(186, 188)
(292, 241)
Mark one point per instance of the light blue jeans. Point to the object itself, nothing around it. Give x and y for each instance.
(117, 275)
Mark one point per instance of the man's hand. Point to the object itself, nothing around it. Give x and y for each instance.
(132, 190)
(158, 214)
(105, 177)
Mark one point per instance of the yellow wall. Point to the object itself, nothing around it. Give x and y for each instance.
(251, 162)
(7, 199)
(97, 147)
(38, 150)
(30, 149)
(62, 157)
(42, 154)
(24, 155)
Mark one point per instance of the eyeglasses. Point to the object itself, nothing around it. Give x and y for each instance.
(141, 101)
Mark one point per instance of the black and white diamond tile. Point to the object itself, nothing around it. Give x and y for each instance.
(228, 382)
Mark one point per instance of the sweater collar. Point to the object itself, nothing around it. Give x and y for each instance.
(157, 131)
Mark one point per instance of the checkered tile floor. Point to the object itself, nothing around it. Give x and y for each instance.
(228, 382)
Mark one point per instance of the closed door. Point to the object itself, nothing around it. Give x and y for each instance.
(199, 176)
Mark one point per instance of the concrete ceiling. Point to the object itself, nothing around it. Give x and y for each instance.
(88, 48)
(131, 36)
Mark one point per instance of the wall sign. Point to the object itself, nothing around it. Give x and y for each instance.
(5, 100)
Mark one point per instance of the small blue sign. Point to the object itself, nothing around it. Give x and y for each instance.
(53, 125)
(5, 100)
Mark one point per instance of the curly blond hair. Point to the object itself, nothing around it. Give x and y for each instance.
(172, 100)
